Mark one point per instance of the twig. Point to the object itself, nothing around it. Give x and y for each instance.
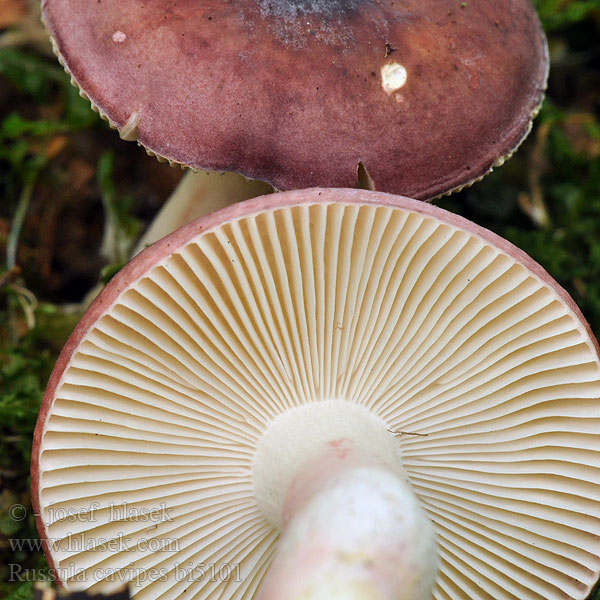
(400, 432)
(533, 204)
(28, 303)
(9, 276)
(15, 231)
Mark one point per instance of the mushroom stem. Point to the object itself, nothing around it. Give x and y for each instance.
(353, 530)
(198, 193)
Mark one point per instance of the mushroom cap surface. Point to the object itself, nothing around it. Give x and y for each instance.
(423, 96)
(480, 366)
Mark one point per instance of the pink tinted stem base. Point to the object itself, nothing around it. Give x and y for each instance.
(352, 530)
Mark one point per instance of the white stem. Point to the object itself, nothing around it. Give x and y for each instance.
(351, 530)
(198, 193)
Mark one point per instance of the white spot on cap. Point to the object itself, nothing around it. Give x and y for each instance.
(393, 77)
(118, 37)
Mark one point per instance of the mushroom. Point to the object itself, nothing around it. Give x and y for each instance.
(416, 97)
(325, 393)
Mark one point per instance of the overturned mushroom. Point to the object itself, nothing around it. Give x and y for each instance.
(415, 97)
(342, 358)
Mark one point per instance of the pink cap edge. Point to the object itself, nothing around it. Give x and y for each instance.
(165, 247)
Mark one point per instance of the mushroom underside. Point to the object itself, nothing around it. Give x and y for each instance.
(479, 367)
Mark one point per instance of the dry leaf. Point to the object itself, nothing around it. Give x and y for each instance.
(12, 12)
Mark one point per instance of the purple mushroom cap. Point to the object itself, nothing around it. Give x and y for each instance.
(421, 97)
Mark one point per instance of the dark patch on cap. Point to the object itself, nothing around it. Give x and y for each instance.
(294, 9)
